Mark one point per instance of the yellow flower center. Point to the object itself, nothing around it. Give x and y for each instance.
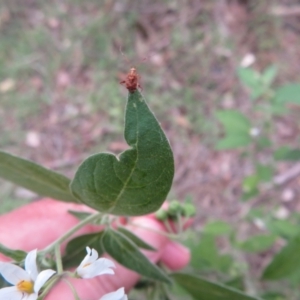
(25, 286)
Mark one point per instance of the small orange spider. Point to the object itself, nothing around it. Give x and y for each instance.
(132, 80)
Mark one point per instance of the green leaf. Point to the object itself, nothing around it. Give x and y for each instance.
(76, 248)
(234, 122)
(135, 239)
(17, 255)
(287, 154)
(80, 215)
(178, 293)
(263, 142)
(138, 181)
(233, 141)
(250, 183)
(249, 77)
(278, 109)
(285, 263)
(217, 228)
(269, 75)
(237, 130)
(252, 80)
(202, 289)
(258, 243)
(274, 296)
(204, 253)
(249, 195)
(264, 172)
(205, 256)
(289, 93)
(35, 177)
(250, 187)
(236, 283)
(124, 251)
(283, 228)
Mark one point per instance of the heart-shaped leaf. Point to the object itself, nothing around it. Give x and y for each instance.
(127, 253)
(35, 177)
(138, 181)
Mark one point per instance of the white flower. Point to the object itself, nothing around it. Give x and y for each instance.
(248, 60)
(26, 283)
(91, 266)
(117, 295)
(254, 132)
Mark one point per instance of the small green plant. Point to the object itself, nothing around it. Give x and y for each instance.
(254, 132)
(135, 183)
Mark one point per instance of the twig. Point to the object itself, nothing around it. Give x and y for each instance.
(282, 11)
(288, 175)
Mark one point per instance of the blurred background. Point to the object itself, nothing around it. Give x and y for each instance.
(60, 97)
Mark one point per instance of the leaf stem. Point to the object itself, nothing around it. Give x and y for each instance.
(59, 265)
(168, 226)
(180, 223)
(76, 297)
(70, 232)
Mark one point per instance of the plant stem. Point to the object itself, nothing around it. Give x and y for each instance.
(250, 284)
(76, 297)
(168, 226)
(49, 286)
(59, 265)
(69, 233)
(180, 224)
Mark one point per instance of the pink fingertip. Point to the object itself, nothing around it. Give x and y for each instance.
(175, 256)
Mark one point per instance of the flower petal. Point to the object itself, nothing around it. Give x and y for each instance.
(103, 266)
(94, 255)
(30, 264)
(13, 274)
(42, 278)
(10, 293)
(88, 260)
(117, 295)
(88, 250)
(91, 256)
(99, 267)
